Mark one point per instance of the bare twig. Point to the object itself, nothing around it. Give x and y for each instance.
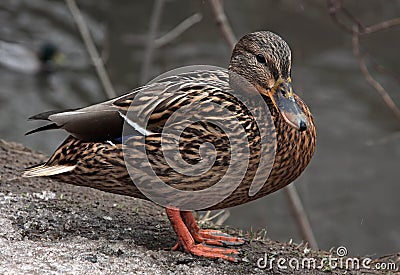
(140, 40)
(150, 45)
(351, 17)
(368, 77)
(335, 7)
(295, 202)
(221, 220)
(381, 26)
(222, 214)
(301, 216)
(222, 22)
(178, 30)
(91, 48)
(356, 28)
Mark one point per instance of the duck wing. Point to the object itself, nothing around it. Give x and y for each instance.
(153, 104)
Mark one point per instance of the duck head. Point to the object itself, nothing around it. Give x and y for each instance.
(264, 59)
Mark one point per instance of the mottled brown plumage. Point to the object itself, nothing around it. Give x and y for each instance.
(93, 156)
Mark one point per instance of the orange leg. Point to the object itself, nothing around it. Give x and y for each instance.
(187, 242)
(208, 236)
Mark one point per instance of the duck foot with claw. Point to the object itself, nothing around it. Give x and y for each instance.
(189, 233)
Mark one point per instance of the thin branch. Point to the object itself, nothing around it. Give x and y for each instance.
(335, 7)
(357, 29)
(178, 30)
(351, 17)
(206, 217)
(91, 48)
(381, 26)
(368, 77)
(295, 202)
(140, 40)
(221, 220)
(301, 216)
(155, 19)
(217, 9)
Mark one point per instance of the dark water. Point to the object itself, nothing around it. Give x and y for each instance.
(351, 189)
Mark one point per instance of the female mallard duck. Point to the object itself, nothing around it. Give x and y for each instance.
(93, 154)
(21, 58)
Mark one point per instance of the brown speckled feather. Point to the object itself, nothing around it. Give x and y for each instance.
(92, 157)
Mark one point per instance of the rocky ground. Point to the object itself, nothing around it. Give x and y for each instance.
(51, 227)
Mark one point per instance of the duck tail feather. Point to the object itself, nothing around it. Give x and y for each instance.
(51, 126)
(46, 115)
(42, 170)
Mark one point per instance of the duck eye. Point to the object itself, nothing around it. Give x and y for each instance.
(261, 59)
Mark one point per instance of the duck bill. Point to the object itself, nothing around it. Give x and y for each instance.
(283, 98)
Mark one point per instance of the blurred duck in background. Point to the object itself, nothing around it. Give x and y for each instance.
(23, 59)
